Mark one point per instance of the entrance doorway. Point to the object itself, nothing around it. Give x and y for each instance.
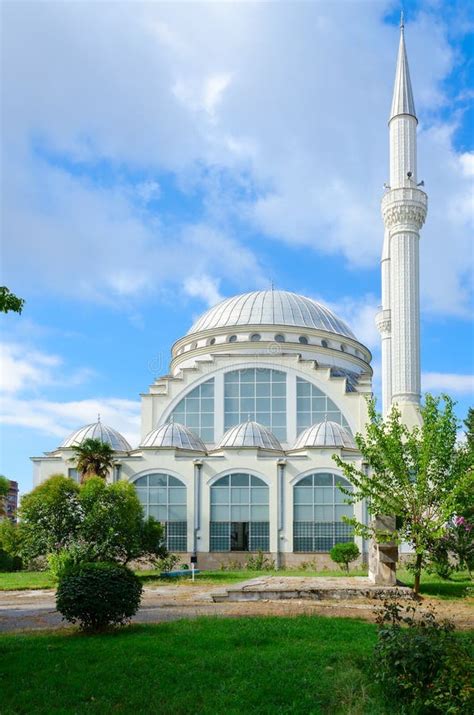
(239, 536)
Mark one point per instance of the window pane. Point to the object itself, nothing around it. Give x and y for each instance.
(159, 512)
(207, 389)
(303, 404)
(279, 389)
(239, 495)
(177, 495)
(278, 376)
(303, 388)
(323, 480)
(257, 482)
(323, 495)
(279, 404)
(303, 512)
(219, 513)
(262, 389)
(176, 513)
(263, 404)
(157, 495)
(142, 495)
(279, 419)
(240, 480)
(157, 480)
(219, 495)
(259, 495)
(259, 513)
(323, 513)
(343, 510)
(247, 389)
(303, 495)
(239, 513)
(305, 482)
(223, 481)
(231, 389)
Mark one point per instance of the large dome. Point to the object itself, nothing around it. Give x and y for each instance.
(97, 430)
(271, 307)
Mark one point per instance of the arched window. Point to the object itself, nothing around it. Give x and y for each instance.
(318, 508)
(196, 411)
(164, 498)
(312, 406)
(259, 393)
(239, 514)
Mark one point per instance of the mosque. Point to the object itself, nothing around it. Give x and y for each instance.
(237, 440)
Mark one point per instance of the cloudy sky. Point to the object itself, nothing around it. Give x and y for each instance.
(159, 156)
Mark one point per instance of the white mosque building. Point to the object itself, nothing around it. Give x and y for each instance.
(237, 441)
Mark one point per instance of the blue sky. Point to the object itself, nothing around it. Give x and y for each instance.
(159, 156)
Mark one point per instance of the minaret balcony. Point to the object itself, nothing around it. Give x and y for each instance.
(383, 321)
(405, 206)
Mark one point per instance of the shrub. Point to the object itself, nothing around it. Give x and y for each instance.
(8, 562)
(167, 563)
(9, 546)
(343, 554)
(260, 562)
(421, 663)
(98, 595)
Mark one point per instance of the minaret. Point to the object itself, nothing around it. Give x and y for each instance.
(404, 208)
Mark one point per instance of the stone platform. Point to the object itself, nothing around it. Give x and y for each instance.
(271, 588)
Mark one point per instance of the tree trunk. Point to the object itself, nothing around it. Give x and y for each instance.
(418, 562)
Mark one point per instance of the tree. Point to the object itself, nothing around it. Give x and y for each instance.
(93, 458)
(50, 517)
(469, 425)
(9, 301)
(4, 489)
(415, 475)
(95, 521)
(344, 553)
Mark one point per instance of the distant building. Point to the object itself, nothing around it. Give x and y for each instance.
(12, 501)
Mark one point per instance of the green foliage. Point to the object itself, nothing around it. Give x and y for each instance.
(93, 458)
(420, 663)
(50, 517)
(167, 562)
(343, 554)
(9, 301)
(416, 475)
(98, 595)
(4, 489)
(9, 546)
(260, 562)
(94, 522)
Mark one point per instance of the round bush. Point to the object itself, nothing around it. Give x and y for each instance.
(343, 554)
(97, 595)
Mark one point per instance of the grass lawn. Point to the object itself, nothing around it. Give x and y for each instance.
(210, 665)
(431, 585)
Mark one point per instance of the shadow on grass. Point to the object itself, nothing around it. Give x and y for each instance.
(431, 585)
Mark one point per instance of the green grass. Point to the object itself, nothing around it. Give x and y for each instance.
(431, 585)
(209, 666)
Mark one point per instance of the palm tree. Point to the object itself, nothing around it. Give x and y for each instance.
(93, 458)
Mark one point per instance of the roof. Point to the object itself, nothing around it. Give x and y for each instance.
(271, 307)
(97, 430)
(325, 434)
(174, 435)
(249, 434)
(402, 102)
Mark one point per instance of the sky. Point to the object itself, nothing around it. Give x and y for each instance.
(157, 157)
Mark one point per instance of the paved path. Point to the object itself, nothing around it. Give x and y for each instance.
(34, 610)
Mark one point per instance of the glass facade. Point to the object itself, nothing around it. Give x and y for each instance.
(318, 508)
(164, 497)
(313, 406)
(258, 394)
(239, 514)
(196, 411)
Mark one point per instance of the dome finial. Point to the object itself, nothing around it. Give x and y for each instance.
(98, 417)
(402, 20)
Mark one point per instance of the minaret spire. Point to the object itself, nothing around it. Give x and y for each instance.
(404, 208)
(402, 101)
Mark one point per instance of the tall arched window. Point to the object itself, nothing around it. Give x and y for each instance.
(317, 513)
(239, 514)
(313, 406)
(258, 393)
(164, 498)
(196, 411)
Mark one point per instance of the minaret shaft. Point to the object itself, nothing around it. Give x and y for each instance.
(404, 208)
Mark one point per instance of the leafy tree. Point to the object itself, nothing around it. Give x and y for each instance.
(10, 546)
(50, 517)
(4, 489)
(469, 425)
(415, 475)
(9, 301)
(93, 458)
(92, 522)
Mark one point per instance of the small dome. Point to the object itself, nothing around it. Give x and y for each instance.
(174, 435)
(97, 430)
(271, 307)
(249, 434)
(325, 434)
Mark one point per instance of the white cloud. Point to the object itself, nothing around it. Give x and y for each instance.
(448, 382)
(25, 368)
(58, 419)
(359, 314)
(203, 287)
(292, 100)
